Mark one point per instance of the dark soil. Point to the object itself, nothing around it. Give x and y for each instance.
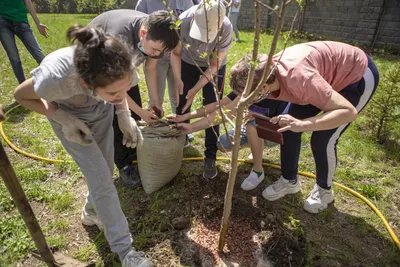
(261, 233)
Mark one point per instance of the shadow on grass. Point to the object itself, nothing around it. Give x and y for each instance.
(17, 115)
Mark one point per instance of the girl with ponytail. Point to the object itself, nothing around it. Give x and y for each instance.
(76, 88)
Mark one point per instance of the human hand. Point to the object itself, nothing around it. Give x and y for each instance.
(184, 128)
(73, 128)
(148, 116)
(43, 30)
(248, 116)
(157, 110)
(176, 117)
(131, 132)
(189, 99)
(288, 122)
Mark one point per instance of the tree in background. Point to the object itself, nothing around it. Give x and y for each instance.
(73, 6)
(96, 6)
(384, 110)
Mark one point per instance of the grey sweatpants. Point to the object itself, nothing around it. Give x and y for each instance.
(234, 19)
(97, 163)
(165, 74)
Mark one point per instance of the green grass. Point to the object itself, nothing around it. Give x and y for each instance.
(363, 165)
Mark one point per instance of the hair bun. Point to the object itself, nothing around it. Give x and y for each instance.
(87, 36)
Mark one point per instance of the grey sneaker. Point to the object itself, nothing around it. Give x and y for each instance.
(252, 181)
(130, 176)
(136, 259)
(281, 188)
(210, 171)
(318, 199)
(90, 220)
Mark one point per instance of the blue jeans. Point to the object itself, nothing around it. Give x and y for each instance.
(8, 30)
(224, 144)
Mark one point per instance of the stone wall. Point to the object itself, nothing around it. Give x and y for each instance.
(359, 21)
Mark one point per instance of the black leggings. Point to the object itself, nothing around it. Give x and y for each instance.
(190, 76)
(122, 154)
(323, 143)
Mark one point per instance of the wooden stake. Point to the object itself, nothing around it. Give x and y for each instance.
(24, 208)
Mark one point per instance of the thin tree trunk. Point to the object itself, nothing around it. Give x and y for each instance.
(245, 99)
(18, 195)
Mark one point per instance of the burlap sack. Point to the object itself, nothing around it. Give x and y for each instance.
(159, 156)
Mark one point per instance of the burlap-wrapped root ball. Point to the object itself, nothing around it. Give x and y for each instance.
(159, 155)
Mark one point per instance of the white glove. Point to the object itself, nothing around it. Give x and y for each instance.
(73, 128)
(127, 125)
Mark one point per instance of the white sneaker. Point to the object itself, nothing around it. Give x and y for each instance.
(90, 220)
(318, 199)
(252, 181)
(280, 188)
(136, 259)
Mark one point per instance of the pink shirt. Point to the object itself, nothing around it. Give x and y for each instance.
(307, 73)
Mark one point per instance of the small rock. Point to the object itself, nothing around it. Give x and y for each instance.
(262, 223)
(180, 223)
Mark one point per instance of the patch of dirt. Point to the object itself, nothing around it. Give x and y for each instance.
(261, 233)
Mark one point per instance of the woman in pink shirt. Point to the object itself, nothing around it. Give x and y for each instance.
(335, 78)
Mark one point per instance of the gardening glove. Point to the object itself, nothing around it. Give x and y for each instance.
(73, 128)
(127, 125)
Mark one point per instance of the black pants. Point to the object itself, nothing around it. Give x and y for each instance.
(190, 76)
(122, 154)
(323, 143)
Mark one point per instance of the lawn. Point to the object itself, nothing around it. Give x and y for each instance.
(348, 233)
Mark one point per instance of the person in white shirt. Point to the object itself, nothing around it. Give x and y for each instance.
(234, 17)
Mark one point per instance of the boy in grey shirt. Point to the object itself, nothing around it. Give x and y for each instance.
(149, 37)
(164, 70)
(199, 36)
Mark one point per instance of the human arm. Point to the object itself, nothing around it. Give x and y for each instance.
(201, 112)
(27, 97)
(146, 115)
(213, 68)
(41, 27)
(131, 132)
(73, 128)
(337, 111)
(209, 120)
(176, 65)
(150, 72)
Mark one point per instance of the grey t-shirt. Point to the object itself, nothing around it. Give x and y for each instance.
(197, 48)
(56, 80)
(177, 6)
(150, 6)
(125, 24)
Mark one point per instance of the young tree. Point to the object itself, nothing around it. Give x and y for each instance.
(383, 111)
(245, 100)
(246, 97)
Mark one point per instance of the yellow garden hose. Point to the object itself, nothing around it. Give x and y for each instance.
(309, 175)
